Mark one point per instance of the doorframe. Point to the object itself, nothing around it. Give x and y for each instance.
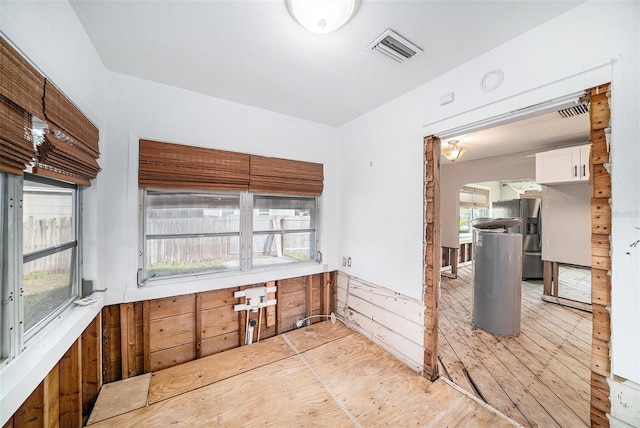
(599, 114)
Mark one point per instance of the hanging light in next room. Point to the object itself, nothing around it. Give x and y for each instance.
(322, 16)
(453, 152)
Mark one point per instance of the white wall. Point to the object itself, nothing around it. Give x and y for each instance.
(141, 109)
(570, 53)
(566, 223)
(455, 175)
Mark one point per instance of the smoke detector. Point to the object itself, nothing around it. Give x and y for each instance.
(394, 46)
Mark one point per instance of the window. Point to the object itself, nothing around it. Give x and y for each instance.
(207, 232)
(287, 233)
(40, 247)
(49, 248)
(189, 233)
(474, 203)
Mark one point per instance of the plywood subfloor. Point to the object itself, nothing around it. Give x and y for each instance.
(323, 375)
(540, 378)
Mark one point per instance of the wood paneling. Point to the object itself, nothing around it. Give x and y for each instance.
(176, 329)
(51, 385)
(31, 413)
(390, 319)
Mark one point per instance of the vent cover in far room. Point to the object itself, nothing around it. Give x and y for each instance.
(574, 111)
(394, 46)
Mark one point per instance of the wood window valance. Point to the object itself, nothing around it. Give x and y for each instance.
(69, 148)
(175, 166)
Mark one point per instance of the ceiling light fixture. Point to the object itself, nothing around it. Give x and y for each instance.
(453, 152)
(322, 16)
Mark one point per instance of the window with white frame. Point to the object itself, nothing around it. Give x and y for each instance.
(186, 233)
(40, 262)
(474, 203)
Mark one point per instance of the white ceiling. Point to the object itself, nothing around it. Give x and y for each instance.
(538, 133)
(254, 53)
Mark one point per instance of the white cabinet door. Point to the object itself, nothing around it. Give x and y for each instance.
(559, 166)
(585, 151)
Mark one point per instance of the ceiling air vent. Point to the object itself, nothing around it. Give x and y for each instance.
(394, 46)
(574, 111)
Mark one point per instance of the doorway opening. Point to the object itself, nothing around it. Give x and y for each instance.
(567, 380)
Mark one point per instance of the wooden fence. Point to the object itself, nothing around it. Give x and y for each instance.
(41, 233)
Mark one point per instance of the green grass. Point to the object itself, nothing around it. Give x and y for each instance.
(157, 270)
(43, 293)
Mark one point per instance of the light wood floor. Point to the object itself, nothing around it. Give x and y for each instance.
(575, 283)
(323, 375)
(540, 378)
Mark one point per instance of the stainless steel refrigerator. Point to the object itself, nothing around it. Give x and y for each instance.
(529, 211)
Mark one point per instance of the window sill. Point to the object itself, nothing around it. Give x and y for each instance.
(160, 288)
(20, 376)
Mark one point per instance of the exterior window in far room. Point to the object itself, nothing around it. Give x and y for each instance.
(474, 203)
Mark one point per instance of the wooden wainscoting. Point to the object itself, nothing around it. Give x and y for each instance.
(393, 321)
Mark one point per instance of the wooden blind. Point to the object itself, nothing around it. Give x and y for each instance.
(275, 175)
(16, 148)
(69, 150)
(21, 92)
(59, 156)
(174, 166)
(19, 81)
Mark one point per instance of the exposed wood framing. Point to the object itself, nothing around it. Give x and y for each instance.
(308, 304)
(146, 323)
(600, 256)
(198, 315)
(91, 379)
(432, 254)
(159, 333)
(270, 311)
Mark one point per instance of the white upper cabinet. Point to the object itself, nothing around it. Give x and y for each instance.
(563, 165)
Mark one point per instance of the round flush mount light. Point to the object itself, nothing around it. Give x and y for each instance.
(492, 80)
(322, 16)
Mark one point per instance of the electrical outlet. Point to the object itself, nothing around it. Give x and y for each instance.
(344, 261)
(349, 261)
